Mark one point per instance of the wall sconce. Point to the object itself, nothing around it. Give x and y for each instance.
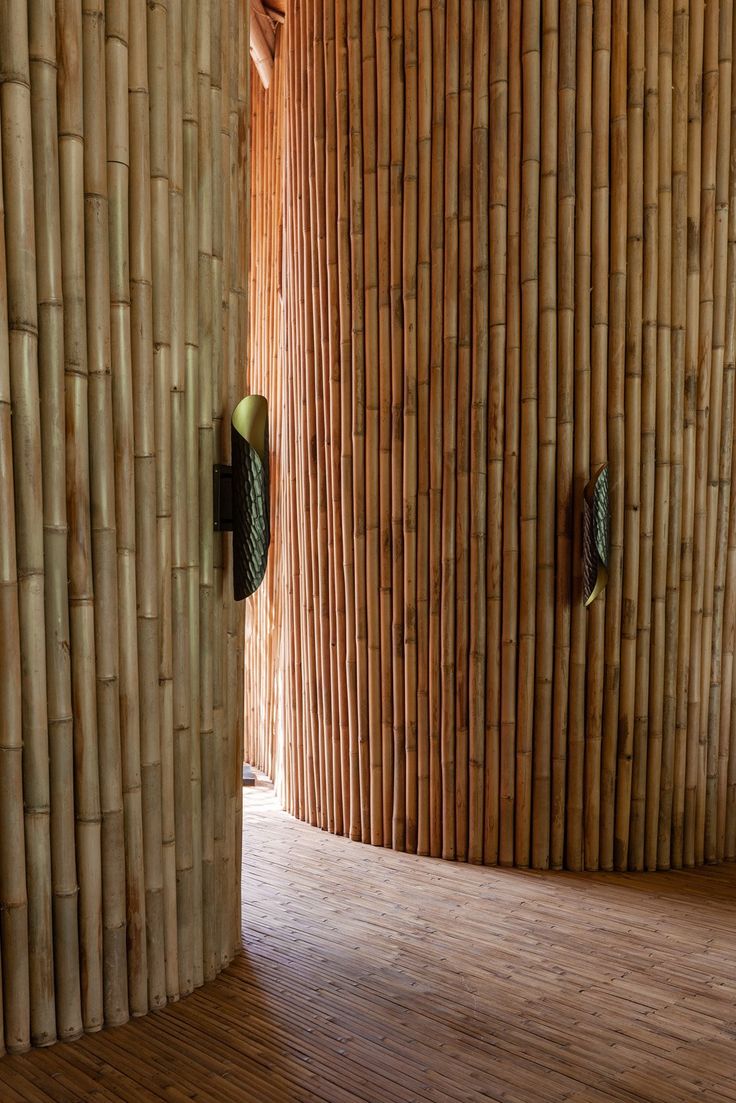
(596, 535)
(241, 495)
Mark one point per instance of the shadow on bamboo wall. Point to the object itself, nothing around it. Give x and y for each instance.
(123, 300)
(494, 247)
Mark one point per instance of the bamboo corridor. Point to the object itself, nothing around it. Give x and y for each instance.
(123, 332)
(494, 247)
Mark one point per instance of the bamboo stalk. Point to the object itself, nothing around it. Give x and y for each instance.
(16, 125)
(424, 330)
(510, 565)
(564, 428)
(547, 417)
(720, 466)
(81, 598)
(727, 758)
(399, 525)
(688, 676)
(701, 622)
(102, 494)
(381, 797)
(16, 1035)
(464, 390)
(663, 451)
(529, 429)
(42, 49)
(436, 428)
(713, 189)
(384, 382)
(449, 437)
(672, 750)
(411, 404)
(598, 411)
(498, 198)
(632, 430)
(615, 427)
(575, 855)
(479, 419)
(648, 443)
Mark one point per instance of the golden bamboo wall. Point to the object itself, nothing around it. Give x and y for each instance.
(123, 307)
(506, 254)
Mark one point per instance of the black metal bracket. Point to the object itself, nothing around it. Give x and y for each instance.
(222, 497)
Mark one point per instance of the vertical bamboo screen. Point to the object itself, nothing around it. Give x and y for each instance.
(123, 329)
(495, 247)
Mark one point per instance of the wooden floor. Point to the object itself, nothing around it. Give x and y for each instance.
(373, 976)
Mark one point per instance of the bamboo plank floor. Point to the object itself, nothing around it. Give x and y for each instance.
(372, 976)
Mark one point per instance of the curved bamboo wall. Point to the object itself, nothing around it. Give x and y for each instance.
(123, 248)
(506, 254)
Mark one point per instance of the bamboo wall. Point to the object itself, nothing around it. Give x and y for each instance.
(123, 307)
(506, 254)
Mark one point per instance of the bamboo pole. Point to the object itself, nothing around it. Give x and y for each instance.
(410, 434)
(575, 854)
(615, 427)
(720, 459)
(688, 676)
(383, 366)
(190, 142)
(22, 315)
(479, 419)
(672, 751)
(648, 443)
(663, 451)
(598, 411)
(701, 622)
(464, 390)
(547, 415)
(205, 435)
(424, 332)
(727, 757)
(118, 161)
(510, 565)
(398, 524)
(564, 429)
(381, 798)
(16, 1034)
(104, 535)
(449, 437)
(713, 189)
(529, 427)
(42, 48)
(81, 599)
(338, 643)
(498, 199)
(632, 431)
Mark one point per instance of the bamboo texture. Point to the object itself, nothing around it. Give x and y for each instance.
(493, 249)
(116, 362)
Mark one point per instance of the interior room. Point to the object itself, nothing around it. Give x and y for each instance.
(367, 551)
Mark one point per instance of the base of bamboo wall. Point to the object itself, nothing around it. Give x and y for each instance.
(124, 220)
(493, 248)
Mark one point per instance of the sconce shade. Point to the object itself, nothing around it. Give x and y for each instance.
(596, 535)
(251, 520)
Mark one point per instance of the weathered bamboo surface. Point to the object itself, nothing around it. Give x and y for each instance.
(124, 221)
(495, 247)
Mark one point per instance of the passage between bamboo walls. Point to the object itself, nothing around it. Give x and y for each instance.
(113, 362)
(472, 286)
